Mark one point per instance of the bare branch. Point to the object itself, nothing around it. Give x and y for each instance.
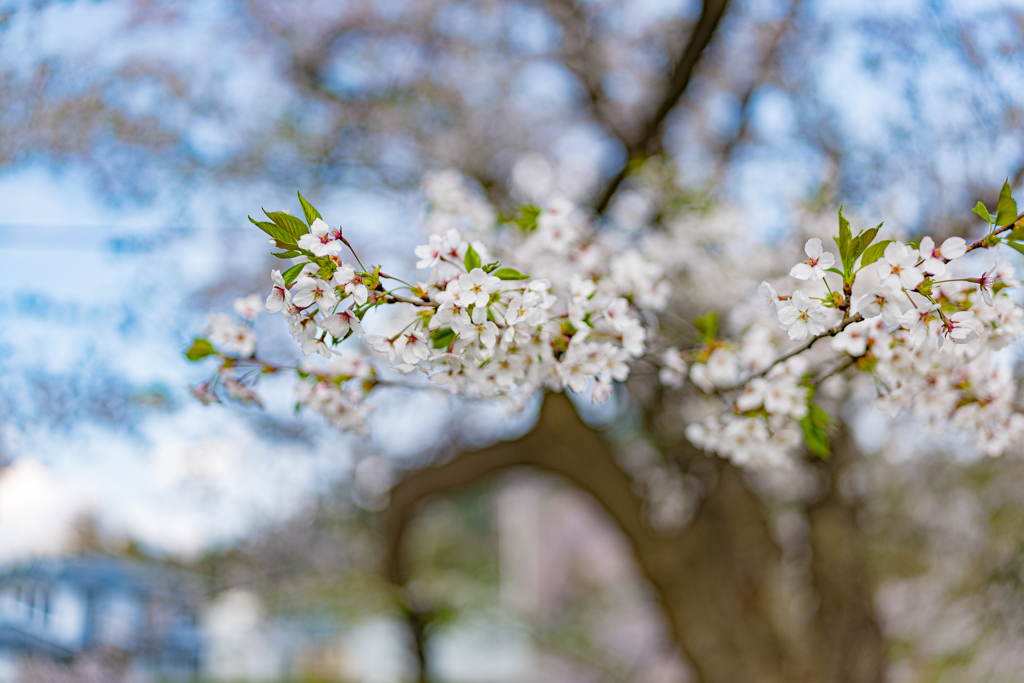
(806, 345)
(717, 575)
(648, 140)
(560, 443)
(581, 54)
(763, 76)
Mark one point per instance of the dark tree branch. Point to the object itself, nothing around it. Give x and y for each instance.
(582, 55)
(560, 442)
(853, 651)
(764, 74)
(718, 579)
(648, 139)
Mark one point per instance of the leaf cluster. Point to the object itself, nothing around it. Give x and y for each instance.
(707, 327)
(200, 349)
(856, 247)
(817, 427)
(472, 260)
(1005, 215)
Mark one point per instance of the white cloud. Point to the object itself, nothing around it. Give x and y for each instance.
(37, 513)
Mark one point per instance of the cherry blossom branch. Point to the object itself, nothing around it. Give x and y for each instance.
(347, 244)
(836, 370)
(415, 302)
(981, 243)
(803, 347)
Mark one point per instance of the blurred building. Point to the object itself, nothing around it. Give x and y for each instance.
(141, 618)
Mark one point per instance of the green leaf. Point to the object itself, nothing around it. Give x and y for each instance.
(292, 273)
(707, 325)
(527, 219)
(835, 270)
(509, 274)
(289, 223)
(815, 425)
(274, 231)
(873, 253)
(472, 259)
(200, 349)
(1015, 245)
(442, 337)
(982, 211)
(843, 242)
(1006, 212)
(291, 253)
(862, 242)
(308, 211)
(1017, 235)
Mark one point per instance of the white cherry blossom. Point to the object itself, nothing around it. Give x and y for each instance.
(918, 321)
(319, 240)
(752, 395)
(477, 327)
(986, 283)
(391, 347)
(476, 287)
(898, 266)
(417, 348)
(339, 324)
(802, 316)
(232, 337)
(883, 300)
(935, 257)
(346, 277)
(853, 340)
(959, 328)
(316, 346)
(308, 291)
(279, 294)
(248, 306)
(673, 369)
(593, 302)
(617, 313)
(818, 261)
(769, 298)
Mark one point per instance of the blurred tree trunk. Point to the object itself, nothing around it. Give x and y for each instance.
(719, 579)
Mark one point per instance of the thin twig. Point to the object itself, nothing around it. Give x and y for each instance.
(981, 242)
(803, 347)
(836, 370)
(415, 302)
(763, 75)
(647, 140)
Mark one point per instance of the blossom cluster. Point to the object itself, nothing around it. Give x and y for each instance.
(470, 324)
(592, 303)
(888, 315)
(487, 330)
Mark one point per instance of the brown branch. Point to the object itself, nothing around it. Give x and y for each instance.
(560, 443)
(581, 55)
(415, 302)
(854, 651)
(763, 75)
(648, 140)
(803, 347)
(980, 243)
(839, 367)
(716, 579)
